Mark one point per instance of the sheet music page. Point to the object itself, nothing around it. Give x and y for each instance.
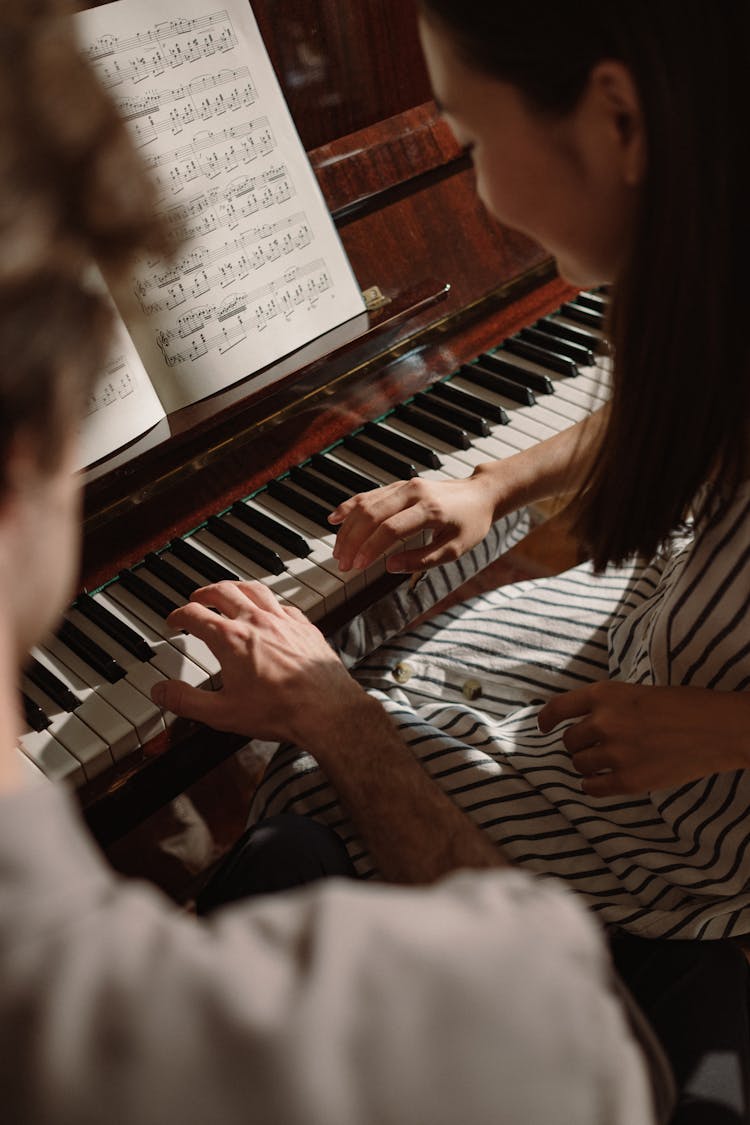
(261, 270)
(123, 404)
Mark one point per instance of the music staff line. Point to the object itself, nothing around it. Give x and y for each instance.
(264, 244)
(169, 29)
(155, 101)
(119, 385)
(145, 130)
(208, 212)
(206, 140)
(299, 286)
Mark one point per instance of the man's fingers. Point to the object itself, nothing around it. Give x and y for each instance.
(230, 598)
(199, 620)
(188, 702)
(260, 596)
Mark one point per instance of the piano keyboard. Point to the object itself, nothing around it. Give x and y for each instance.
(86, 690)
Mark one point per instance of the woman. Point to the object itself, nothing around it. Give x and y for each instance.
(616, 135)
(581, 144)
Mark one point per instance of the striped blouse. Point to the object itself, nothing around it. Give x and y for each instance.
(465, 690)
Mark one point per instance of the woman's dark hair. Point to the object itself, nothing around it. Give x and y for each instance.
(681, 398)
(72, 192)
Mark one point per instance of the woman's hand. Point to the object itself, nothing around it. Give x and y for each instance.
(459, 513)
(280, 677)
(648, 738)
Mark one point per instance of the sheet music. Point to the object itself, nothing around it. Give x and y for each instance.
(123, 404)
(261, 270)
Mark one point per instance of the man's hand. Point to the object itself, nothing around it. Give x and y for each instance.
(634, 739)
(279, 674)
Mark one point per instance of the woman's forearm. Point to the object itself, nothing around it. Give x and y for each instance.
(550, 468)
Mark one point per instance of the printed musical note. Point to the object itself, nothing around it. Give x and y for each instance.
(257, 268)
(195, 335)
(117, 383)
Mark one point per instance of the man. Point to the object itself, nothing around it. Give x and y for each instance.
(488, 997)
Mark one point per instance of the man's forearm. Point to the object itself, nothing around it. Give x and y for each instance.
(414, 831)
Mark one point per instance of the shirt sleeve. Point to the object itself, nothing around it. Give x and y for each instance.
(486, 997)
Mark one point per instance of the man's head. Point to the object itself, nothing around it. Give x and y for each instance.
(72, 193)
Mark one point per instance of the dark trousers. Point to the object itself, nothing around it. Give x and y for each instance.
(695, 993)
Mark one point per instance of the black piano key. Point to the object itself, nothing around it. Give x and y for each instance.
(376, 455)
(582, 315)
(176, 579)
(306, 506)
(505, 365)
(90, 652)
(147, 594)
(400, 443)
(34, 715)
(545, 357)
(200, 563)
(577, 352)
(428, 424)
(319, 487)
(482, 377)
(568, 332)
(467, 401)
(342, 474)
(49, 683)
(114, 627)
(593, 301)
(245, 545)
(295, 543)
(465, 419)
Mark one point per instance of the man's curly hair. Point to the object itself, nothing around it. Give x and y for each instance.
(72, 192)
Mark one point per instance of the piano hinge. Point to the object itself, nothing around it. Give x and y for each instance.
(374, 299)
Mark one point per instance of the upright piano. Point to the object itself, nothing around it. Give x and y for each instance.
(445, 284)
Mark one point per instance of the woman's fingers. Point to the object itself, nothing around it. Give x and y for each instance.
(589, 762)
(373, 529)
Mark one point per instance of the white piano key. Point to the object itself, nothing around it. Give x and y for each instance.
(316, 579)
(119, 734)
(562, 408)
(133, 702)
(283, 585)
(77, 737)
(467, 458)
(519, 432)
(32, 774)
(287, 587)
(167, 659)
(319, 568)
(140, 675)
(324, 556)
(321, 543)
(192, 648)
(55, 762)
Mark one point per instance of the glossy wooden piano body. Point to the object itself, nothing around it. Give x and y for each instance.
(453, 281)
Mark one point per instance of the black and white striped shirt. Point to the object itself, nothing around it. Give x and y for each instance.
(465, 690)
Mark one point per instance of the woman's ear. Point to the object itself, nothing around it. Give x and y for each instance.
(612, 98)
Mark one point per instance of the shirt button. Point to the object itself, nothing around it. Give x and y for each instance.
(402, 672)
(472, 689)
